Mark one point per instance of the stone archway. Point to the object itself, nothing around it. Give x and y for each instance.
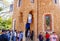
(29, 23)
(32, 23)
(30, 20)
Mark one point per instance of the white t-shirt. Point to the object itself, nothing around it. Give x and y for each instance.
(18, 35)
(53, 37)
(15, 34)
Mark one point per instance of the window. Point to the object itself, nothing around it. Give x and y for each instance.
(11, 7)
(19, 3)
(48, 21)
(32, 1)
(55, 1)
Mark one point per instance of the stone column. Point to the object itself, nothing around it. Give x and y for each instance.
(35, 27)
(24, 33)
(24, 24)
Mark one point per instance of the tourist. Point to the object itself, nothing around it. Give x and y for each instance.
(18, 35)
(14, 35)
(28, 34)
(3, 36)
(54, 37)
(47, 36)
(21, 36)
(8, 34)
(40, 36)
(32, 35)
(11, 35)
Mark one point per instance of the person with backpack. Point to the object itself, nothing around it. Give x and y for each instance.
(3, 36)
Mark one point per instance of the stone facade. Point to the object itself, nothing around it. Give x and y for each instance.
(38, 9)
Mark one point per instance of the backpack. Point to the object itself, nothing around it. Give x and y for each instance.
(3, 37)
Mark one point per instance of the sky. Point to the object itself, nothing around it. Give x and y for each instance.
(10, 1)
(6, 9)
(7, 2)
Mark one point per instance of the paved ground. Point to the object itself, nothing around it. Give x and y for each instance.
(27, 39)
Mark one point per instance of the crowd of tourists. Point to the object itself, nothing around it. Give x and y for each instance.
(48, 37)
(8, 35)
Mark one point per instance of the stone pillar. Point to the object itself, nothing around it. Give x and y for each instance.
(24, 24)
(24, 33)
(35, 26)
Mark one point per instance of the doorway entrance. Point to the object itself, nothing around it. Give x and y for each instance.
(29, 25)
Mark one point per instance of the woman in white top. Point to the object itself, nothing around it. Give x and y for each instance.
(54, 37)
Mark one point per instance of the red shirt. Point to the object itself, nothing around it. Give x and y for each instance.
(47, 36)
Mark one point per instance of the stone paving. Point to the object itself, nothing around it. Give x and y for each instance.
(27, 39)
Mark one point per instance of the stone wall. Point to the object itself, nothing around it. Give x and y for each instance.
(48, 7)
(39, 8)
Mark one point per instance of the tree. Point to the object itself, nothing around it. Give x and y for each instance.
(0, 22)
(5, 24)
(9, 23)
(1, 8)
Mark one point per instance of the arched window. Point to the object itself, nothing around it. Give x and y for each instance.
(32, 1)
(56, 1)
(48, 22)
(19, 3)
(11, 7)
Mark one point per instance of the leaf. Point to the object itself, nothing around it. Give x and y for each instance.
(5, 24)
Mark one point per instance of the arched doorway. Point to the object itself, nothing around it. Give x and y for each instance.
(29, 24)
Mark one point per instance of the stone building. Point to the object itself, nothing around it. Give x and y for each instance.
(45, 15)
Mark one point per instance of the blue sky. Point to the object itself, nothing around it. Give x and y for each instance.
(10, 1)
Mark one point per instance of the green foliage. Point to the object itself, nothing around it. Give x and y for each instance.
(5, 24)
(1, 9)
